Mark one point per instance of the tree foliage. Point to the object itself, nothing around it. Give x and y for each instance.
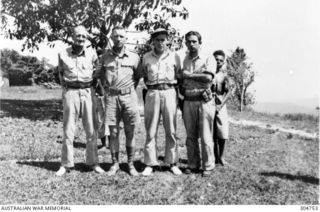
(242, 76)
(26, 70)
(50, 20)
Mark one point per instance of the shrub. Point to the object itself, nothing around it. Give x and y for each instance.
(19, 76)
(300, 117)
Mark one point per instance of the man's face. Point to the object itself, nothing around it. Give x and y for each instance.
(219, 60)
(119, 37)
(79, 37)
(160, 42)
(192, 43)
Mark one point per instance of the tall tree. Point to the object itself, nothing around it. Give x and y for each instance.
(242, 76)
(50, 20)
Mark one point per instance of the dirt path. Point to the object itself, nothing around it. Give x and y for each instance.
(263, 125)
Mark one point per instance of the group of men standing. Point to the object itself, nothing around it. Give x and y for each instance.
(201, 82)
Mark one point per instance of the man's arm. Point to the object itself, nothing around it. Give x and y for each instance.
(97, 76)
(201, 77)
(60, 70)
(226, 94)
(138, 71)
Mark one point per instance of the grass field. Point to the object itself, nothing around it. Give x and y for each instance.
(265, 167)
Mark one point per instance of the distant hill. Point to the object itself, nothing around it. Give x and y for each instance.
(307, 106)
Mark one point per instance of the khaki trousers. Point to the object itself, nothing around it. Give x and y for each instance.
(161, 102)
(198, 119)
(78, 103)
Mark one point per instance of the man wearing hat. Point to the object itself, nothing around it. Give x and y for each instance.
(159, 68)
(119, 77)
(76, 66)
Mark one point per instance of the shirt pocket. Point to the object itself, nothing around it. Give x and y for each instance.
(152, 72)
(127, 67)
(169, 71)
(86, 65)
(111, 72)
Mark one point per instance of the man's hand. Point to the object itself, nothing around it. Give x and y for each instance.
(186, 74)
(218, 108)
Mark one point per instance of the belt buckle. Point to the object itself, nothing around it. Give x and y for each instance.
(162, 86)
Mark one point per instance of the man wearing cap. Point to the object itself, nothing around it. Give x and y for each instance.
(159, 68)
(222, 94)
(76, 66)
(198, 111)
(118, 76)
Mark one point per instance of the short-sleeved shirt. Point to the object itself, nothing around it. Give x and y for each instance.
(120, 70)
(199, 64)
(160, 69)
(77, 67)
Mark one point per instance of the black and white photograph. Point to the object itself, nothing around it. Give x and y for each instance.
(110, 104)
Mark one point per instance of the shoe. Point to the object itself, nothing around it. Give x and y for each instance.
(147, 171)
(62, 170)
(132, 170)
(187, 171)
(190, 171)
(175, 170)
(206, 173)
(98, 169)
(113, 169)
(223, 162)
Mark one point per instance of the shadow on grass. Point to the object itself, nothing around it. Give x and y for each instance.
(304, 178)
(54, 166)
(81, 167)
(32, 109)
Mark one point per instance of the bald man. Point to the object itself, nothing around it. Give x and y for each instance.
(76, 66)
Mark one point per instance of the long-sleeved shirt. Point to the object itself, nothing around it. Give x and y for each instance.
(199, 64)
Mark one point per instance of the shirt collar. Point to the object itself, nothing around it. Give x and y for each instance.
(164, 55)
(83, 53)
(199, 56)
(123, 53)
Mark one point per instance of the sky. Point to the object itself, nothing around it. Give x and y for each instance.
(281, 39)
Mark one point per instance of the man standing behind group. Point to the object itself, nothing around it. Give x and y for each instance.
(222, 93)
(198, 111)
(118, 76)
(76, 65)
(159, 69)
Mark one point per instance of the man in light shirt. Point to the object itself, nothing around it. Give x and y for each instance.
(199, 106)
(159, 68)
(76, 66)
(118, 76)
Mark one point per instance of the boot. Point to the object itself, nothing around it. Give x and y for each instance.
(216, 152)
(115, 166)
(103, 142)
(221, 144)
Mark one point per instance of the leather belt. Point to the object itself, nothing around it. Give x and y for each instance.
(119, 91)
(193, 98)
(78, 85)
(162, 86)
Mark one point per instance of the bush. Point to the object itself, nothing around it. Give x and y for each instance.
(300, 117)
(19, 76)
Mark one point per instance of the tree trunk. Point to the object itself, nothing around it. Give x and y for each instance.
(241, 99)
